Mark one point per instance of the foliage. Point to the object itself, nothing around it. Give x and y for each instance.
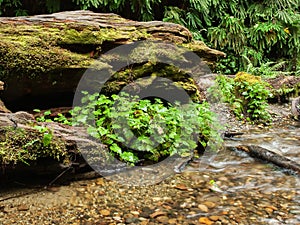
(263, 30)
(251, 96)
(225, 88)
(46, 117)
(47, 135)
(247, 94)
(268, 69)
(43, 118)
(15, 5)
(145, 129)
(228, 65)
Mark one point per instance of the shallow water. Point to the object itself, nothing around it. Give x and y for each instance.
(236, 172)
(250, 191)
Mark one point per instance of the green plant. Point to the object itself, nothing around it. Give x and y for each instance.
(252, 94)
(266, 70)
(247, 94)
(228, 65)
(8, 5)
(47, 134)
(85, 4)
(60, 118)
(145, 129)
(225, 88)
(44, 117)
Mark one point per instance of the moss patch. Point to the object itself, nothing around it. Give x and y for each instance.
(27, 50)
(153, 70)
(19, 146)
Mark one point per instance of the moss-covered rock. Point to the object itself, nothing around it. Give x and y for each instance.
(46, 55)
(21, 146)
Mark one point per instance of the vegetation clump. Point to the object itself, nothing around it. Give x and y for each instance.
(142, 129)
(247, 94)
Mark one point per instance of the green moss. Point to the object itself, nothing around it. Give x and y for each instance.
(31, 50)
(246, 77)
(196, 46)
(128, 75)
(20, 146)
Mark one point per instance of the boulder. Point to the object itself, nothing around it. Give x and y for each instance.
(43, 57)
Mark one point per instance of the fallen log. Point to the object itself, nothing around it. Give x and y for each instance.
(270, 157)
(72, 147)
(45, 56)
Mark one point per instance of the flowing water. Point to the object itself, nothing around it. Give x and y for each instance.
(238, 173)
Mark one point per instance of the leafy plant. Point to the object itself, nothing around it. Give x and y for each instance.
(228, 65)
(45, 117)
(85, 4)
(12, 5)
(247, 94)
(267, 70)
(60, 118)
(252, 94)
(47, 134)
(226, 86)
(145, 129)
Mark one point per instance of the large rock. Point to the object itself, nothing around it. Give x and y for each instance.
(44, 56)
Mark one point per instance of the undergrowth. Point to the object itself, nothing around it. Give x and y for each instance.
(146, 129)
(247, 95)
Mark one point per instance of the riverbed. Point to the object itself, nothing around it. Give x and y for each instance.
(221, 187)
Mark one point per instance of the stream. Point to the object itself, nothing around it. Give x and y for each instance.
(247, 174)
(245, 191)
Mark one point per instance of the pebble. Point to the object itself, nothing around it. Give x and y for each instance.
(157, 213)
(203, 208)
(214, 218)
(205, 220)
(23, 207)
(210, 205)
(105, 212)
(172, 221)
(162, 219)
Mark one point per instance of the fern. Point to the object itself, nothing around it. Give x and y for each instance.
(266, 70)
(85, 4)
(53, 5)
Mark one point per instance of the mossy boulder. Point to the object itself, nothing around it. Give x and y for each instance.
(45, 56)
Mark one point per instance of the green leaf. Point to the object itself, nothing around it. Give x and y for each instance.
(115, 148)
(47, 138)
